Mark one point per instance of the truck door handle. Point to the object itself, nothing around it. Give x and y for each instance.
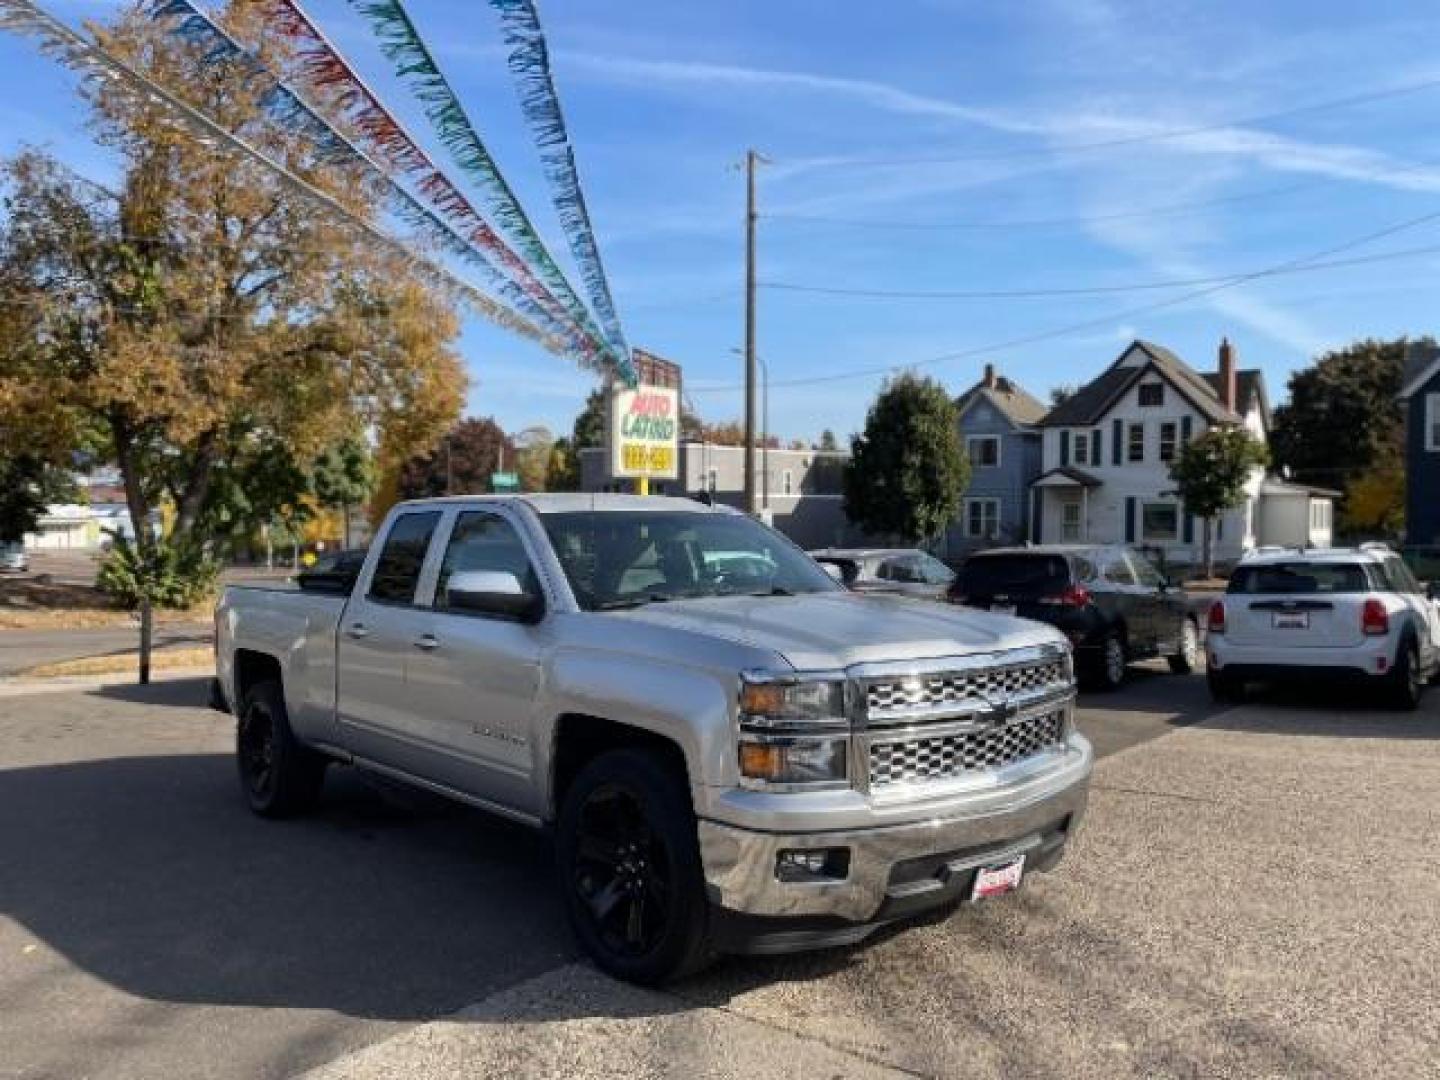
(426, 642)
(357, 631)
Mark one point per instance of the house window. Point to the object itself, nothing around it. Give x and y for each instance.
(1070, 521)
(1159, 521)
(1082, 447)
(1137, 442)
(982, 518)
(1152, 395)
(984, 450)
(787, 482)
(1168, 436)
(1432, 423)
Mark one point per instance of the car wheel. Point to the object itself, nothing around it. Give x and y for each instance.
(1187, 659)
(1224, 689)
(1107, 671)
(629, 865)
(279, 776)
(1407, 681)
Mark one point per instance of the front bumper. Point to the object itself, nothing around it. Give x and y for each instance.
(900, 869)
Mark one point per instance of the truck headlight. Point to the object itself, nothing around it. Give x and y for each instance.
(784, 702)
(794, 730)
(787, 762)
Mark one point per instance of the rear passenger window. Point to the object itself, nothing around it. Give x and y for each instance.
(1400, 577)
(397, 572)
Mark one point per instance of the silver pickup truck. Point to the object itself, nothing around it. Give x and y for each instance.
(735, 754)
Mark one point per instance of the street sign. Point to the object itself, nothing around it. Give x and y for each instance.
(504, 481)
(645, 432)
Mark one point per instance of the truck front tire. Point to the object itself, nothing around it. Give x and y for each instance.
(279, 776)
(629, 866)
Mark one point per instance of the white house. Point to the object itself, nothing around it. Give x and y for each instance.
(1107, 449)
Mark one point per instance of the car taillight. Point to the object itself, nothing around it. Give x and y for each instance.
(1374, 619)
(1215, 621)
(1075, 596)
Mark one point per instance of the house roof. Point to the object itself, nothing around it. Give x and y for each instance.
(1089, 403)
(1274, 485)
(1065, 475)
(1249, 386)
(1422, 363)
(1011, 399)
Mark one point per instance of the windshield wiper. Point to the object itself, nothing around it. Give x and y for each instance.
(622, 603)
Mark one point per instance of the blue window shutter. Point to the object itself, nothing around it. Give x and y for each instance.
(1097, 457)
(1220, 528)
(1130, 519)
(1189, 526)
(1117, 432)
(1185, 429)
(1036, 500)
(1064, 448)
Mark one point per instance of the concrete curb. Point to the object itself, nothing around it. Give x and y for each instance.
(61, 684)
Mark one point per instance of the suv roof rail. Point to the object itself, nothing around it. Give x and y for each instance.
(1375, 545)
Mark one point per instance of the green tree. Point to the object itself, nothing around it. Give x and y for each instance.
(562, 470)
(907, 470)
(1210, 474)
(28, 484)
(590, 425)
(532, 457)
(827, 441)
(343, 477)
(1343, 417)
(461, 463)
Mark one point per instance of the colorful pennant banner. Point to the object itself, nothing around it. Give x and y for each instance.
(530, 65)
(402, 44)
(185, 19)
(324, 69)
(60, 42)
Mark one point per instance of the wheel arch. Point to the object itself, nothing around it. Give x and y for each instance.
(578, 738)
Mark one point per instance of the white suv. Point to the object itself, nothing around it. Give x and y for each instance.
(1347, 612)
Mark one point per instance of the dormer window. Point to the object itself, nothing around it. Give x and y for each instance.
(1152, 395)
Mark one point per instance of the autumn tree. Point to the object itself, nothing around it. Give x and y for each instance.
(207, 304)
(1210, 473)
(460, 463)
(907, 469)
(532, 457)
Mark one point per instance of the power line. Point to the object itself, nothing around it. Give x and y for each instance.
(1092, 324)
(1133, 140)
(1091, 290)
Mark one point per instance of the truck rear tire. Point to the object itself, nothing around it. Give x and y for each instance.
(629, 865)
(279, 776)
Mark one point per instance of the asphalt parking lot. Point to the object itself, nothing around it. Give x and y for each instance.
(1254, 894)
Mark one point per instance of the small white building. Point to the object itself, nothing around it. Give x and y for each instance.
(1106, 455)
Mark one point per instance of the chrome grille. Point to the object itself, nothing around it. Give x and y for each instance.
(943, 757)
(902, 695)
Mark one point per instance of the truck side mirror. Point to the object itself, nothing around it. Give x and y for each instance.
(492, 592)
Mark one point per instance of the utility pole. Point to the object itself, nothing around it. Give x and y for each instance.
(751, 160)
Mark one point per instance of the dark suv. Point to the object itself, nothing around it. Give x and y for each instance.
(1110, 601)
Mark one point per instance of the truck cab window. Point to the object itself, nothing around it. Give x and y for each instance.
(397, 572)
(481, 541)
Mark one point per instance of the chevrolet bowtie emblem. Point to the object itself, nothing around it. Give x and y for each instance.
(998, 714)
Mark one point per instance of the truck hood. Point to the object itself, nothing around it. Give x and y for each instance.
(834, 630)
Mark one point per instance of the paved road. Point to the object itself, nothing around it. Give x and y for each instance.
(1253, 894)
(21, 649)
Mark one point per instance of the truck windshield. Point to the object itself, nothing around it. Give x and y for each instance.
(628, 558)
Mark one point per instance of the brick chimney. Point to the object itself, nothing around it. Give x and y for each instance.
(1227, 375)
(989, 379)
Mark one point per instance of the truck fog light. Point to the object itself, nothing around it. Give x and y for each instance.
(793, 762)
(813, 864)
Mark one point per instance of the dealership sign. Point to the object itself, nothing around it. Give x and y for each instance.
(644, 432)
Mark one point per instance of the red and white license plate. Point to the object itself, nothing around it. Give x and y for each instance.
(997, 880)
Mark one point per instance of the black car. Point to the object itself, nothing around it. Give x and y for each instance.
(333, 573)
(1110, 601)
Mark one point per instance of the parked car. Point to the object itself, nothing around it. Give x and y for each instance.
(13, 559)
(727, 766)
(1347, 613)
(335, 572)
(1110, 601)
(908, 571)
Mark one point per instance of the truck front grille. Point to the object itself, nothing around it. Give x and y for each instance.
(898, 696)
(920, 758)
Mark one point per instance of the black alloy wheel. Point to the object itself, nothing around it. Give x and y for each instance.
(255, 751)
(279, 776)
(622, 872)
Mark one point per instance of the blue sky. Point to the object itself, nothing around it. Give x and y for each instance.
(967, 115)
